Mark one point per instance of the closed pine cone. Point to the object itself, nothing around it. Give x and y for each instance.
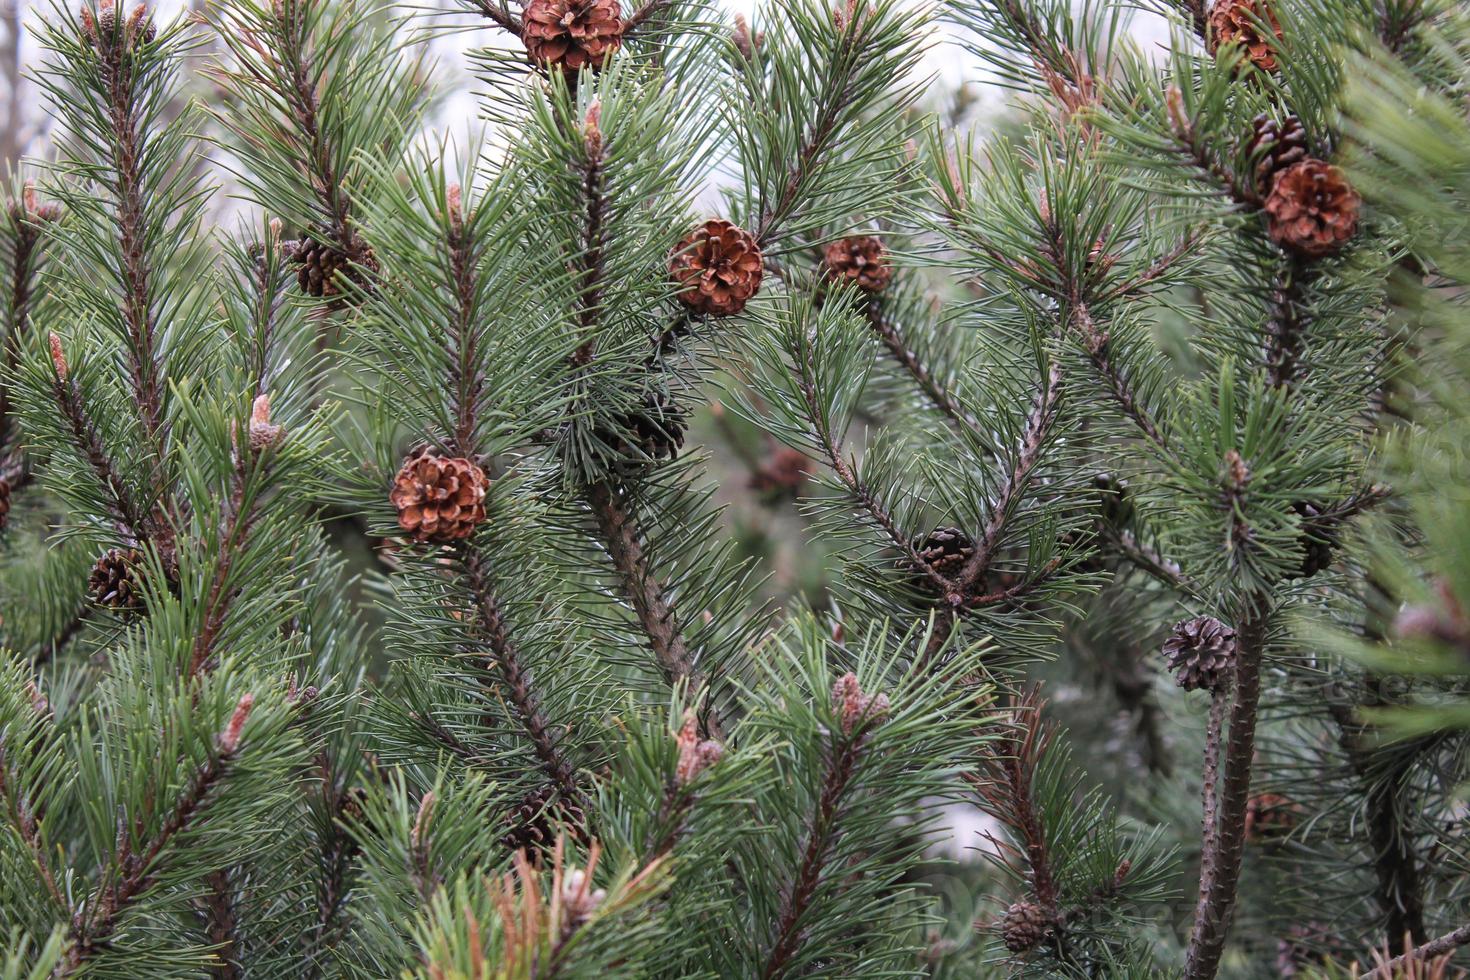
(1201, 652)
(1269, 816)
(114, 581)
(572, 33)
(1273, 146)
(653, 432)
(531, 823)
(717, 267)
(1312, 209)
(103, 32)
(318, 266)
(781, 476)
(1235, 22)
(1317, 538)
(1024, 926)
(439, 498)
(861, 261)
(946, 550)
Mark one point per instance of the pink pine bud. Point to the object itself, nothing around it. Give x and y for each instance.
(854, 708)
(454, 203)
(745, 42)
(592, 129)
(578, 897)
(263, 435)
(58, 357)
(1178, 118)
(695, 756)
(421, 820)
(229, 739)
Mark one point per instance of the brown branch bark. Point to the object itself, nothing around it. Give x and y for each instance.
(798, 898)
(506, 660)
(1447, 943)
(1222, 853)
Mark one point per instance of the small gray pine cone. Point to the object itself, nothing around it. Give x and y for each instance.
(1201, 652)
(1024, 926)
(1273, 146)
(115, 580)
(946, 550)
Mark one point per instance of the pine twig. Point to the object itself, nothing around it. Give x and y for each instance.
(221, 925)
(891, 336)
(1223, 851)
(1447, 943)
(506, 659)
(617, 523)
(836, 778)
(137, 871)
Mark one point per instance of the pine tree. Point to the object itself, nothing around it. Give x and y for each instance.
(370, 607)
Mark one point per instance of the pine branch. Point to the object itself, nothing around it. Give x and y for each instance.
(1447, 943)
(893, 340)
(1395, 864)
(1223, 851)
(241, 512)
(1119, 384)
(506, 659)
(1043, 415)
(27, 825)
(221, 925)
(466, 379)
(831, 446)
(128, 150)
(337, 854)
(95, 923)
(837, 774)
(24, 258)
(1286, 322)
(131, 519)
(594, 218)
(617, 524)
(499, 12)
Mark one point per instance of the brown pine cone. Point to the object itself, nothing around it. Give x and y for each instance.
(861, 261)
(4, 501)
(1024, 926)
(1312, 209)
(946, 550)
(116, 580)
(1201, 652)
(319, 266)
(439, 498)
(1236, 22)
(1273, 146)
(531, 823)
(651, 433)
(782, 476)
(1269, 816)
(1318, 538)
(718, 268)
(571, 33)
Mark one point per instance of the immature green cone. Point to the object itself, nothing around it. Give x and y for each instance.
(1024, 926)
(115, 581)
